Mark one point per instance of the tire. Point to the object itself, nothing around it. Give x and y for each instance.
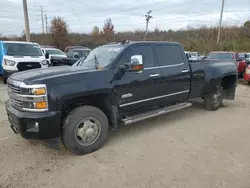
(214, 100)
(76, 129)
(248, 82)
(5, 80)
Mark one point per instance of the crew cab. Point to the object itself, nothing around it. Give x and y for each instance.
(115, 84)
(225, 55)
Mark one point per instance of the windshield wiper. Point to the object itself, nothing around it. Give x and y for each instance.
(96, 62)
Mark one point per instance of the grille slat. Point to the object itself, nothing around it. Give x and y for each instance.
(22, 66)
(14, 89)
(17, 103)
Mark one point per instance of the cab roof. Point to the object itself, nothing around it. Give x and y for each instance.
(23, 42)
(128, 43)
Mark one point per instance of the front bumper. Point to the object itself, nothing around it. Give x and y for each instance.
(34, 125)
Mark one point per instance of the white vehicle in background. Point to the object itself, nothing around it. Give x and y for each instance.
(21, 56)
(48, 52)
(188, 55)
(195, 56)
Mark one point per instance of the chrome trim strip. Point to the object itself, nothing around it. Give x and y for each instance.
(35, 110)
(165, 66)
(153, 98)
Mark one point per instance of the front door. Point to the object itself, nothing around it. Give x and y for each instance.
(135, 89)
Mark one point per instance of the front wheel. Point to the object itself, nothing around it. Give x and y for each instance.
(85, 130)
(214, 100)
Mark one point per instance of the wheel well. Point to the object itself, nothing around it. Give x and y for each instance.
(228, 82)
(100, 101)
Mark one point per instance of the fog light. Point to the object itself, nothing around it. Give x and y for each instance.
(36, 124)
(40, 105)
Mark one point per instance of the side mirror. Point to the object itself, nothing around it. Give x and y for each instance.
(47, 55)
(136, 64)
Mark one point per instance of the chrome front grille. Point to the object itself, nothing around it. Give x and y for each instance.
(14, 89)
(17, 103)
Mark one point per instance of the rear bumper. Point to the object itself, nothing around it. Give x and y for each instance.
(30, 125)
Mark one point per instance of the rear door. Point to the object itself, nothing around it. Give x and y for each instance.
(173, 75)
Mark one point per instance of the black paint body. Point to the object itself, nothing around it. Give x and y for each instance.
(162, 82)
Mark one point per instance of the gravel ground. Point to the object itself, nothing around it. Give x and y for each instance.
(190, 148)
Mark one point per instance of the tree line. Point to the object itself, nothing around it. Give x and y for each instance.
(202, 39)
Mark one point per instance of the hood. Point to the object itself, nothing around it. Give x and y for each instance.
(25, 58)
(36, 75)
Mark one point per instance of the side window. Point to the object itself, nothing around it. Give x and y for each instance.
(168, 55)
(70, 53)
(145, 51)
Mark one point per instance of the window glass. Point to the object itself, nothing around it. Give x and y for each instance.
(168, 55)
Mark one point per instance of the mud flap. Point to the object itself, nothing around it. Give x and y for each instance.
(229, 93)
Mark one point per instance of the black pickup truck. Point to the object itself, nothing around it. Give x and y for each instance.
(116, 84)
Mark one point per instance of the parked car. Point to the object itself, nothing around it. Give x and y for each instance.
(224, 55)
(195, 56)
(77, 53)
(67, 48)
(247, 75)
(48, 52)
(247, 58)
(21, 56)
(61, 61)
(188, 55)
(117, 83)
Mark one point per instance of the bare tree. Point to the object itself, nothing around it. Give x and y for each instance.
(59, 33)
(108, 29)
(95, 31)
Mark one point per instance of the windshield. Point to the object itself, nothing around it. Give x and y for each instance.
(55, 51)
(104, 55)
(22, 49)
(193, 54)
(225, 56)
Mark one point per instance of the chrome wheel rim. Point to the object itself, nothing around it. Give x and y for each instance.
(217, 98)
(87, 131)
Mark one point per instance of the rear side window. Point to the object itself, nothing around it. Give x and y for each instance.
(168, 55)
(145, 51)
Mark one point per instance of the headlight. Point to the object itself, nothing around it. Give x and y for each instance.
(9, 62)
(34, 91)
(44, 62)
(35, 105)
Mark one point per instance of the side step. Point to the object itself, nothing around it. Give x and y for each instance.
(150, 114)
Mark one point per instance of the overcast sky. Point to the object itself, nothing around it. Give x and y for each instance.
(83, 15)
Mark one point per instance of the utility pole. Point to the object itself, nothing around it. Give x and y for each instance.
(42, 19)
(148, 17)
(221, 15)
(46, 23)
(26, 20)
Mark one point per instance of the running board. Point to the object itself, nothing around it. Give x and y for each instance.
(150, 114)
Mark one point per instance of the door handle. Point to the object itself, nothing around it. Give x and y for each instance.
(185, 70)
(154, 75)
